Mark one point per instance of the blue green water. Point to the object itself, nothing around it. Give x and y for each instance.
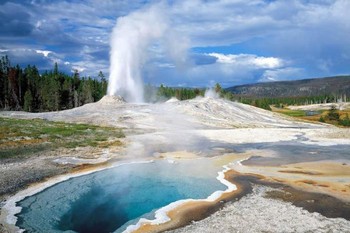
(112, 199)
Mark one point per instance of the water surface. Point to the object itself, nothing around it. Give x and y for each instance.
(112, 199)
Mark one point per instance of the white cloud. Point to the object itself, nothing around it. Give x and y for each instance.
(78, 68)
(212, 23)
(288, 73)
(249, 60)
(44, 52)
(312, 35)
(268, 62)
(165, 65)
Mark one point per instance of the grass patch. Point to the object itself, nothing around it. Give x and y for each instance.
(292, 113)
(22, 137)
(321, 117)
(22, 151)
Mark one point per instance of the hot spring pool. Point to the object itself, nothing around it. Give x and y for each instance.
(112, 199)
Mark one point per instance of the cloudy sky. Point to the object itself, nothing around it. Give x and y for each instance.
(227, 41)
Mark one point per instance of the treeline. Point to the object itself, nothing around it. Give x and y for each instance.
(164, 93)
(265, 103)
(26, 89)
(190, 93)
(179, 93)
(287, 101)
(280, 102)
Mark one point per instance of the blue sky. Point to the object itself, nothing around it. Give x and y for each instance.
(227, 41)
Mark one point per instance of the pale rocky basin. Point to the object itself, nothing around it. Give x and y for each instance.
(256, 213)
(206, 127)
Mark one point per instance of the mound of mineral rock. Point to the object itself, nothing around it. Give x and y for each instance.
(111, 99)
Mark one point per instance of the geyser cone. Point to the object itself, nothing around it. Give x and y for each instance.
(112, 99)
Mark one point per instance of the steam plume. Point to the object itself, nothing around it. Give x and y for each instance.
(131, 37)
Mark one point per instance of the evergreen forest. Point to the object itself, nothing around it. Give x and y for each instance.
(26, 89)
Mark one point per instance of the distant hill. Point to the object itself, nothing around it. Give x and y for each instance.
(338, 85)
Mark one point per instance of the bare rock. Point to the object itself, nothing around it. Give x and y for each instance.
(111, 100)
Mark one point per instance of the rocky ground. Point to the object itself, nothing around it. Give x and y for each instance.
(200, 127)
(257, 213)
(318, 107)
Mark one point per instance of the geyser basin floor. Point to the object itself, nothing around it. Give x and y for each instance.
(255, 213)
(108, 200)
(179, 125)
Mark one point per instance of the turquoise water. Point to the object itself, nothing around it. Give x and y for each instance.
(110, 200)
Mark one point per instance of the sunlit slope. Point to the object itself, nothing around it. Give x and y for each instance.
(227, 114)
(191, 114)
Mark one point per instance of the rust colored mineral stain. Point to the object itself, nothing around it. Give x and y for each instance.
(184, 214)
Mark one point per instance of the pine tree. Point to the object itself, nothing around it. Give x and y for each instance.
(13, 96)
(218, 88)
(67, 94)
(333, 115)
(86, 92)
(28, 101)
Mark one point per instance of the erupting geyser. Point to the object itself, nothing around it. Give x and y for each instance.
(130, 39)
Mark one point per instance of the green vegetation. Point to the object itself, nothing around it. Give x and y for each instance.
(333, 114)
(26, 89)
(301, 92)
(322, 119)
(336, 117)
(20, 137)
(285, 101)
(179, 93)
(190, 93)
(345, 121)
(293, 113)
(257, 102)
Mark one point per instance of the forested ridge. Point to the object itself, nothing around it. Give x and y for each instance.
(337, 86)
(26, 89)
(260, 102)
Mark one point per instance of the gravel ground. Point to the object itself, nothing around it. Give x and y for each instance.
(17, 174)
(256, 214)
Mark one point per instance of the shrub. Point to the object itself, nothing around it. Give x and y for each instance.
(345, 121)
(322, 119)
(333, 115)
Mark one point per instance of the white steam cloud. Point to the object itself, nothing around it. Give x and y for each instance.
(130, 41)
(211, 93)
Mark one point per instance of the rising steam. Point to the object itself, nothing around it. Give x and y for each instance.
(131, 37)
